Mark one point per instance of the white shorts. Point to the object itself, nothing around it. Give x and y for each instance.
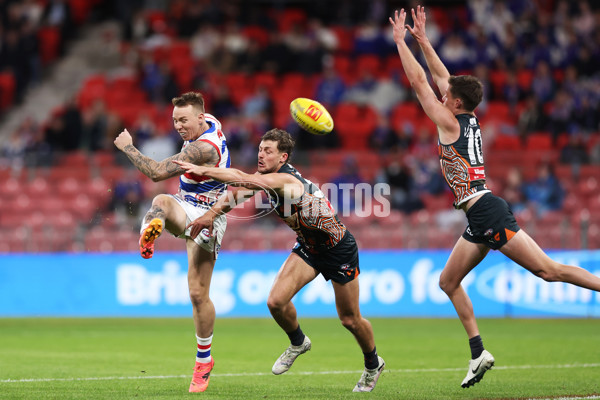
(194, 211)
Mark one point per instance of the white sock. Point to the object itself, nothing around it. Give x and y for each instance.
(204, 346)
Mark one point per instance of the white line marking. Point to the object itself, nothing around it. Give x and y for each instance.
(403, 371)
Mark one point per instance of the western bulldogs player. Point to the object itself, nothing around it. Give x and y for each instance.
(204, 144)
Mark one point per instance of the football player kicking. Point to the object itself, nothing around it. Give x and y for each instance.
(324, 246)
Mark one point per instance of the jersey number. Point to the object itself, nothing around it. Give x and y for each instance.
(475, 152)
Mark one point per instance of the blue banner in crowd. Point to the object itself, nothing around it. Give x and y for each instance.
(392, 284)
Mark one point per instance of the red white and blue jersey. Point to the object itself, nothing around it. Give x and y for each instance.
(203, 191)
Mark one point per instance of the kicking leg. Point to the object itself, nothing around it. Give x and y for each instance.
(164, 212)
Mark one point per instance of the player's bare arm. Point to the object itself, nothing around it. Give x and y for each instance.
(198, 152)
(281, 184)
(448, 126)
(438, 70)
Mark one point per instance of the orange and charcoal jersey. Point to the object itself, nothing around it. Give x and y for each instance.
(462, 161)
(311, 216)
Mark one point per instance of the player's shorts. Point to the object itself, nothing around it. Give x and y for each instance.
(491, 222)
(194, 211)
(340, 263)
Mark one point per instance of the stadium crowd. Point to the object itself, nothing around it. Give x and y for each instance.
(537, 60)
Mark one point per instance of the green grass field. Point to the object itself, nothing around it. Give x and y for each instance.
(425, 359)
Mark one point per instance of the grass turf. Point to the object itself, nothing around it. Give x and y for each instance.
(425, 359)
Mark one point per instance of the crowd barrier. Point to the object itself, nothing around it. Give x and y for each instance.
(392, 284)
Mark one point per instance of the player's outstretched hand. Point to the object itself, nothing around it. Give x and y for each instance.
(202, 225)
(399, 29)
(418, 31)
(190, 168)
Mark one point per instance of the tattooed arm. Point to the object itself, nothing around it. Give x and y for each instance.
(198, 152)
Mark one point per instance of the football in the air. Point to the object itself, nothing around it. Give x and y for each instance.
(311, 116)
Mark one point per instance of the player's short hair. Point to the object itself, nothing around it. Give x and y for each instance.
(467, 88)
(285, 143)
(193, 99)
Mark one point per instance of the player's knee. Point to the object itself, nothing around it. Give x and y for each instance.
(198, 298)
(550, 273)
(274, 303)
(446, 284)
(160, 201)
(350, 322)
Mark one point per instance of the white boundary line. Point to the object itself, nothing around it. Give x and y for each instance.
(405, 371)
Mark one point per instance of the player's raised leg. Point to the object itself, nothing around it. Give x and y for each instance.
(346, 301)
(293, 276)
(523, 250)
(164, 211)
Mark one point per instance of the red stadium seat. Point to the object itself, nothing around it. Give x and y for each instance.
(354, 124)
(257, 34)
(539, 141)
(506, 142)
(49, 42)
(7, 89)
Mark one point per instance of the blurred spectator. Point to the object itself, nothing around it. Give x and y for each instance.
(541, 50)
(482, 72)
(159, 146)
(257, 103)
(14, 57)
(370, 40)
(73, 125)
(561, 114)
(143, 129)
(575, 151)
(222, 105)
(484, 48)
(531, 118)
(542, 84)
(323, 35)
(251, 60)
(158, 81)
(402, 190)
(330, 88)
(455, 53)
(427, 177)
(584, 21)
(383, 137)
(425, 145)
(64, 132)
(381, 94)
(204, 43)
(513, 190)
(95, 127)
(511, 91)
(585, 62)
(345, 183)
(58, 14)
(234, 45)
(128, 196)
(278, 58)
(544, 193)
(595, 150)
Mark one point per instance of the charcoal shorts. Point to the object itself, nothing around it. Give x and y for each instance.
(340, 263)
(491, 222)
